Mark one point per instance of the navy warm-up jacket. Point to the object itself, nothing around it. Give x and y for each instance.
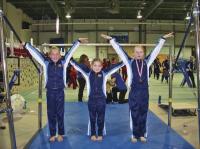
(54, 74)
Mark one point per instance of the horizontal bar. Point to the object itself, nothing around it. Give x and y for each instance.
(101, 45)
(110, 23)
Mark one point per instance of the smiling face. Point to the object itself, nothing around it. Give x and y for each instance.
(55, 54)
(97, 66)
(139, 52)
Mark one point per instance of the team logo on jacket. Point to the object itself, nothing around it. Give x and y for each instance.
(99, 75)
(59, 65)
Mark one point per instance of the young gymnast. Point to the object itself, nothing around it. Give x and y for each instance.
(96, 83)
(137, 69)
(54, 68)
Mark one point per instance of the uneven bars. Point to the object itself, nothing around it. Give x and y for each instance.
(102, 44)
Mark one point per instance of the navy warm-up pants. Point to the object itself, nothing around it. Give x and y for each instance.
(139, 103)
(55, 110)
(96, 107)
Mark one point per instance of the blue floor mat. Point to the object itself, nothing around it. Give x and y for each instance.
(118, 131)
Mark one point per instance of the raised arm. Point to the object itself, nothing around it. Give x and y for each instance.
(119, 50)
(37, 55)
(80, 67)
(113, 68)
(71, 51)
(157, 49)
(69, 54)
(123, 55)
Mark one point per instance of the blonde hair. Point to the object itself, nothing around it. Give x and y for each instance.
(139, 47)
(97, 60)
(54, 48)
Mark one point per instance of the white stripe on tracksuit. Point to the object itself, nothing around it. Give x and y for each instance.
(38, 57)
(86, 75)
(128, 62)
(44, 63)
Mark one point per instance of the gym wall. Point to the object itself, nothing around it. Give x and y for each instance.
(28, 73)
(92, 32)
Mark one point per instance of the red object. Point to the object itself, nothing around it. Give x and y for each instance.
(73, 78)
(124, 73)
(19, 52)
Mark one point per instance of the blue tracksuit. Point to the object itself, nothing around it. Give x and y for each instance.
(120, 87)
(120, 84)
(55, 82)
(96, 84)
(139, 93)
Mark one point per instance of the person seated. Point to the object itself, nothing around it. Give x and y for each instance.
(120, 87)
(109, 85)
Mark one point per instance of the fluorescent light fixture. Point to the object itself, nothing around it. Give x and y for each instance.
(139, 16)
(68, 16)
(57, 25)
(187, 16)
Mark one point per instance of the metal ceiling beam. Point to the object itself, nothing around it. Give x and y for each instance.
(27, 2)
(88, 9)
(55, 7)
(152, 8)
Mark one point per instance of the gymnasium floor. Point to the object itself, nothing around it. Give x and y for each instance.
(184, 127)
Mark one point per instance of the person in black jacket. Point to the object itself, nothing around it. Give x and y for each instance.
(165, 74)
(84, 61)
(190, 71)
(156, 65)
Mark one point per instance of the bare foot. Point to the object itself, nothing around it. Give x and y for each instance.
(93, 138)
(60, 138)
(99, 138)
(133, 140)
(52, 139)
(143, 139)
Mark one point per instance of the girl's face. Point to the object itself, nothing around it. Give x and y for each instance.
(113, 79)
(55, 55)
(97, 66)
(138, 53)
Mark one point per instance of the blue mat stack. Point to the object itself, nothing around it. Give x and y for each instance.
(118, 131)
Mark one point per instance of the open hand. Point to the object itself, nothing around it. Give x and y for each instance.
(169, 35)
(106, 36)
(83, 40)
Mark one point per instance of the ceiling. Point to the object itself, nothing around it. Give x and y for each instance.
(105, 9)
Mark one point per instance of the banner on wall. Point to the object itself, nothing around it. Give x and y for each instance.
(121, 37)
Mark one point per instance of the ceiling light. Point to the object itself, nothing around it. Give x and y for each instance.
(139, 16)
(57, 24)
(144, 3)
(68, 16)
(187, 16)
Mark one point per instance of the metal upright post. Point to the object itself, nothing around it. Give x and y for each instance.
(11, 43)
(6, 85)
(170, 87)
(40, 99)
(196, 20)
